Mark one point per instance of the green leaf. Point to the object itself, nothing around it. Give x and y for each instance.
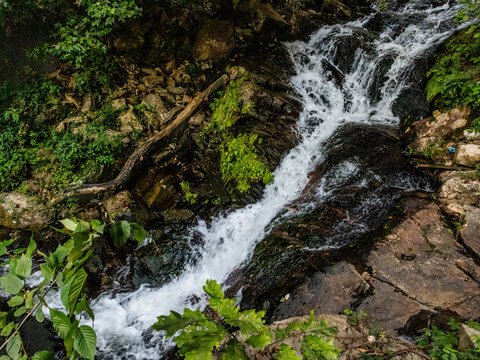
(7, 329)
(13, 346)
(15, 301)
(83, 305)
(234, 351)
(5, 357)
(47, 272)
(32, 246)
(213, 289)
(20, 311)
(251, 324)
(29, 299)
(120, 232)
(85, 341)
(139, 233)
(285, 352)
(11, 284)
(24, 267)
(198, 342)
(175, 322)
(60, 322)
(39, 315)
(72, 289)
(43, 355)
(69, 224)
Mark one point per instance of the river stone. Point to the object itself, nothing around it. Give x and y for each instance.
(419, 259)
(214, 40)
(155, 110)
(470, 232)
(19, 211)
(326, 292)
(441, 126)
(178, 216)
(161, 195)
(129, 122)
(468, 155)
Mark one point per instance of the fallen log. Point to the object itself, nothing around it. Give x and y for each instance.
(140, 153)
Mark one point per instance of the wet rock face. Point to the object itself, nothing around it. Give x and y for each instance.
(350, 194)
(214, 40)
(418, 269)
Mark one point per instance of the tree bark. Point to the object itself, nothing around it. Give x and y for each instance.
(140, 153)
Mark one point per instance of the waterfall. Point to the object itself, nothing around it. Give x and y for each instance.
(123, 320)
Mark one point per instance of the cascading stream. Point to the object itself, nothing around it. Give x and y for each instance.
(123, 320)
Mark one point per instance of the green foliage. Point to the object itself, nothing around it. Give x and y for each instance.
(122, 230)
(29, 140)
(82, 39)
(454, 79)
(353, 318)
(63, 268)
(202, 333)
(240, 162)
(227, 107)
(442, 345)
(189, 196)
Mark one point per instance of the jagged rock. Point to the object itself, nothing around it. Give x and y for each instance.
(468, 155)
(88, 103)
(74, 120)
(441, 126)
(156, 110)
(214, 40)
(119, 104)
(124, 206)
(330, 291)
(129, 122)
(462, 188)
(180, 75)
(467, 337)
(19, 211)
(470, 232)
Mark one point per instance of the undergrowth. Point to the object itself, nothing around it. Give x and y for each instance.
(240, 162)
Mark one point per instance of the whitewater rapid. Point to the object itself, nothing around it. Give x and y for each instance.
(123, 320)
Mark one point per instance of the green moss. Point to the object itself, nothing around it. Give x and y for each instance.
(189, 196)
(227, 107)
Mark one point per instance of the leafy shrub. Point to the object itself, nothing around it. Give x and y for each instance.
(189, 196)
(81, 40)
(201, 334)
(442, 345)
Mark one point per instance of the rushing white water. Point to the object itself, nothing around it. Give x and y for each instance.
(123, 320)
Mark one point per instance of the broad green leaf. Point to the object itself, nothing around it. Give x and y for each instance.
(60, 322)
(213, 289)
(20, 311)
(69, 224)
(32, 246)
(5, 357)
(83, 305)
(39, 315)
(285, 352)
(47, 273)
(13, 265)
(226, 308)
(3, 319)
(11, 284)
(98, 226)
(43, 355)
(85, 341)
(24, 267)
(280, 334)
(29, 303)
(175, 322)
(234, 351)
(120, 232)
(15, 301)
(13, 346)
(139, 233)
(72, 289)
(62, 252)
(7, 329)
(19, 251)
